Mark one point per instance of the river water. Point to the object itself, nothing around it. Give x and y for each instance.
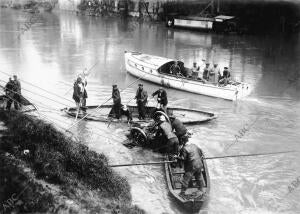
(58, 46)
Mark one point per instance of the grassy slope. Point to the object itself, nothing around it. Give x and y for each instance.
(71, 177)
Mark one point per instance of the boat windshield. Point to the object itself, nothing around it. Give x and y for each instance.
(172, 68)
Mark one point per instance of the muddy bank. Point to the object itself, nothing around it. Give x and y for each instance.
(45, 171)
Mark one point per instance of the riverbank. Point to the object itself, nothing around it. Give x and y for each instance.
(45, 171)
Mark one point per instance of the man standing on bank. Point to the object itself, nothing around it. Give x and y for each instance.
(117, 101)
(162, 98)
(141, 100)
(15, 93)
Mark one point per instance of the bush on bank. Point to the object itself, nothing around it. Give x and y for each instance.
(59, 160)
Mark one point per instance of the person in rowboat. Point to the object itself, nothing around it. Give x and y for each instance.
(192, 156)
(141, 100)
(162, 98)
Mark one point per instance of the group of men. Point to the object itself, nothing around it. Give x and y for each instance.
(210, 74)
(13, 93)
(179, 148)
(141, 97)
(205, 74)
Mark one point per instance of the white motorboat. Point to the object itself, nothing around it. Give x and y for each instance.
(157, 69)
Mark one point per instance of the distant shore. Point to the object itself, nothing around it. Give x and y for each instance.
(42, 170)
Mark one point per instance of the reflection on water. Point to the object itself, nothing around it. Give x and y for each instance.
(60, 46)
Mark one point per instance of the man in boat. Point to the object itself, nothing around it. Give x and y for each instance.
(214, 73)
(175, 69)
(172, 143)
(195, 70)
(192, 156)
(117, 102)
(141, 100)
(206, 71)
(180, 129)
(226, 77)
(9, 92)
(78, 91)
(162, 98)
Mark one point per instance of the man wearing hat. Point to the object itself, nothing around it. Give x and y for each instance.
(162, 98)
(192, 156)
(206, 71)
(117, 101)
(141, 100)
(226, 76)
(78, 91)
(214, 74)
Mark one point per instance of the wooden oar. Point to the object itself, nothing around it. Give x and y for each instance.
(208, 158)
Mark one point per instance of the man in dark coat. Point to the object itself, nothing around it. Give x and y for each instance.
(162, 98)
(192, 156)
(15, 95)
(172, 143)
(117, 101)
(179, 128)
(78, 91)
(141, 100)
(9, 91)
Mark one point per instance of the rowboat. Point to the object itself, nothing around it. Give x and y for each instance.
(157, 69)
(26, 106)
(187, 116)
(194, 198)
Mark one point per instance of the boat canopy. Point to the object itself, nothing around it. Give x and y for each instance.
(154, 61)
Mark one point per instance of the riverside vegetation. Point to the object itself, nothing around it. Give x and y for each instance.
(43, 170)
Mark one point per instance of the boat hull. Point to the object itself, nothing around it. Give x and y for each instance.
(196, 198)
(187, 116)
(148, 72)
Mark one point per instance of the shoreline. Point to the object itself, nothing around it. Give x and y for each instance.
(45, 171)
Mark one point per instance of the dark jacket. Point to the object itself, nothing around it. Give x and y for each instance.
(77, 93)
(179, 128)
(141, 96)
(85, 92)
(9, 87)
(116, 96)
(162, 95)
(192, 157)
(167, 130)
(17, 86)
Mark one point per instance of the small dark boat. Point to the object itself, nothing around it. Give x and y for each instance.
(26, 106)
(187, 116)
(194, 197)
